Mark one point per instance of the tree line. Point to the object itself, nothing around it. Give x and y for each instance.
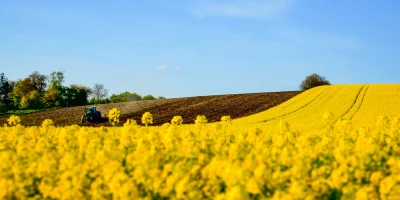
(38, 91)
(127, 96)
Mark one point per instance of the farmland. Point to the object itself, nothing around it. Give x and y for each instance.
(360, 104)
(214, 107)
(330, 142)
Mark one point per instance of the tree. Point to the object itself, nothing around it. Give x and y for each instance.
(6, 87)
(33, 100)
(28, 92)
(56, 80)
(148, 97)
(54, 96)
(312, 81)
(3, 107)
(51, 98)
(22, 88)
(38, 81)
(133, 96)
(77, 95)
(115, 98)
(99, 92)
(125, 97)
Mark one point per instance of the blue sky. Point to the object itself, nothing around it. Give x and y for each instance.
(178, 48)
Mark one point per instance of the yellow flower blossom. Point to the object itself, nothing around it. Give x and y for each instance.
(47, 123)
(239, 161)
(14, 120)
(177, 120)
(147, 118)
(201, 119)
(113, 116)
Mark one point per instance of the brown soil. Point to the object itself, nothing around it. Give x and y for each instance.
(213, 107)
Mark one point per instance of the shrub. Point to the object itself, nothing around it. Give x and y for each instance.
(148, 97)
(312, 81)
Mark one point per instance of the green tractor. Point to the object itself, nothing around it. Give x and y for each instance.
(92, 115)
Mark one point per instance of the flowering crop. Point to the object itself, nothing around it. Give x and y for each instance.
(147, 118)
(113, 116)
(322, 144)
(361, 104)
(14, 120)
(378, 100)
(226, 120)
(179, 162)
(47, 123)
(200, 119)
(177, 120)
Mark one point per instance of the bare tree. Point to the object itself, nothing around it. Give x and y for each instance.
(39, 81)
(99, 92)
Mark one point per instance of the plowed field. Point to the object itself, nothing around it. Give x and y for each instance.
(213, 107)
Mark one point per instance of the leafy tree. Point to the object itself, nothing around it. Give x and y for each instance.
(21, 91)
(99, 92)
(6, 87)
(132, 96)
(148, 97)
(312, 81)
(28, 92)
(32, 100)
(115, 98)
(54, 96)
(125, 97)
(56, 80)
(23, 87)
(99, 101)
(51, 98)
(3, 107)
(77, 95)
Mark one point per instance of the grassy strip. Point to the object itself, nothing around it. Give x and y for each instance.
(25, 111)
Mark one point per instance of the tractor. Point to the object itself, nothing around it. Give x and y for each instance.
(92, 115)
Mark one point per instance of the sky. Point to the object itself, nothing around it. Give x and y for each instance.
(180, 48)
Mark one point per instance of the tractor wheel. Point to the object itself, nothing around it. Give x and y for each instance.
(83, 119)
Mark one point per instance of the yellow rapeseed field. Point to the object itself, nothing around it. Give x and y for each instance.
(331, 142)
(361, 104)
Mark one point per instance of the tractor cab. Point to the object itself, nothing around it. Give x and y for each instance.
(90, 110)
(91, 115)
